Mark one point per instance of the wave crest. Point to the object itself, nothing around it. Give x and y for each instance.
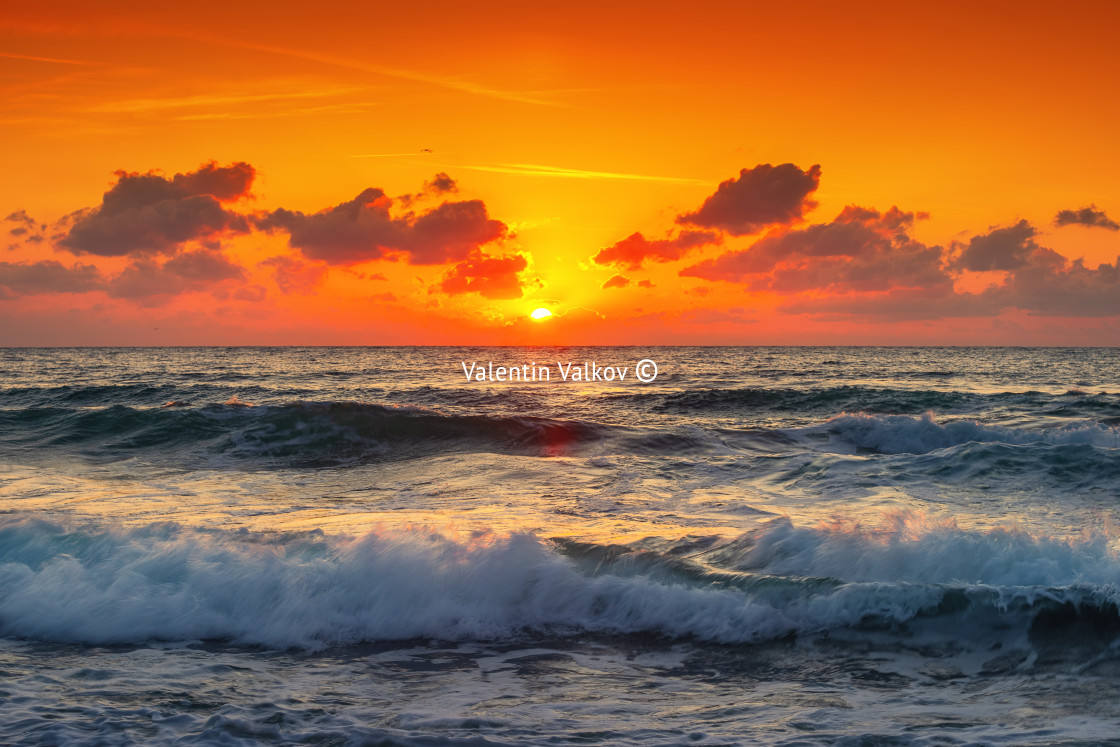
(310, 590)
(902, 434)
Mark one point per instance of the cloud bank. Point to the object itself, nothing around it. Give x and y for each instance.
(147, 214)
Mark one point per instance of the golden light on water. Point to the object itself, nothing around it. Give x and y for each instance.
(540, 314)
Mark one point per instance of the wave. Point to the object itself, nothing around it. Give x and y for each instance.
(310, 434)
(907, 547)
(305, 433)
(136, 395)
(695, 401)
(310, 590)
(902, 434)
(876, 400)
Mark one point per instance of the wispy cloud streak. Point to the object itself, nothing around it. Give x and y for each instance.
(455, 84)
(55, 60)
(532, 169)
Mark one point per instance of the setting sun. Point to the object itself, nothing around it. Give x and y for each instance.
(540, 314)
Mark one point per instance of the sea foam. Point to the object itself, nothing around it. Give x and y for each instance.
(309, 590)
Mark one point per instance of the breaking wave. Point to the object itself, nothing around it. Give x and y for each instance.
(310, 590)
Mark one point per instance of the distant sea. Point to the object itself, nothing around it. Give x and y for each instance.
(350, 546)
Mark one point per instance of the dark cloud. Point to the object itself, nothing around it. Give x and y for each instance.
(616, 281)
(25, 224)
(440, 184)
(449, 232)
(1006, 248)
(1036, 279)
(861, 250)
(22, 218)
(142, 279)
(363, 229)
(645, 284)
(1050, 288)
(490, 277)
(350, 232)
(636, 248)
(763, 196)
(48, 276)
(27, 230)
(226, 183)
(1043, 290)
(1086, 216)
(200, 270)
(146, 214)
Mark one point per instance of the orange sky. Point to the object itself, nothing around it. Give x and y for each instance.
(558, 131)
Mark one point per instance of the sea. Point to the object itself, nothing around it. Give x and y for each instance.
(371, 546)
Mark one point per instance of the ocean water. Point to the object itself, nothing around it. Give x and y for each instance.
(347, 546)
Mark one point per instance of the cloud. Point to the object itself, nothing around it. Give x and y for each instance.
(860, 250)
(363, 229)
(616, 281)
(1086, 216)
(294, 276)
(211, 102)
(48, 276)
(1050, 288)
(55, 60)
(26, 229)
(142, 279)
(533, 169)
(24, 223)
(633, 250)
(1035, 279)
(490, 277)
(763, 196)
(454, 82)
(645, 284)
(199, 270)
(1042, 290)
(204, 266)
(1006, 248)
(440, 184)
(147, 214)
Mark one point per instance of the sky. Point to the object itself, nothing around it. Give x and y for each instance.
(651, 173)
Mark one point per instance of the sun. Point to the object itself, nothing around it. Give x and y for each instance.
(540, 314)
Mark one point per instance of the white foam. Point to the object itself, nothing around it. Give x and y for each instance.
(167, 582)
(912, 548)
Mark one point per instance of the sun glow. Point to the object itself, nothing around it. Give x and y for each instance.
(540, 314)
